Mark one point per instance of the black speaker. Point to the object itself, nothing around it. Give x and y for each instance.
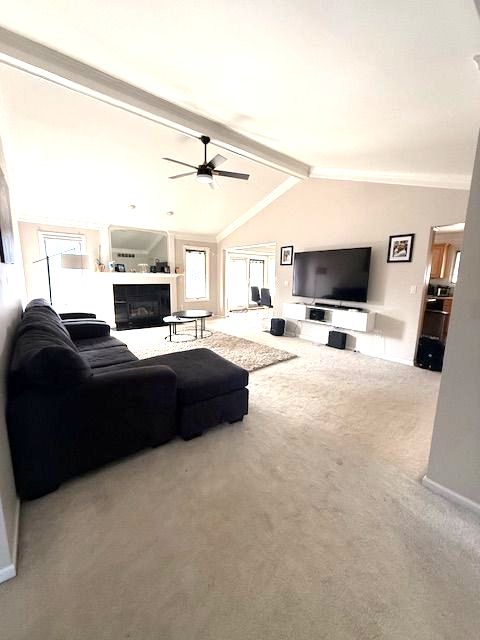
(317, 314)
(430, 353)
(277, 326)
(337, 339)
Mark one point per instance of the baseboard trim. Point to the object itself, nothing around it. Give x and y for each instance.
(405, 361)
(409, 363)
(7, 573)
(10, 571)
(453, 496)
(16, 532)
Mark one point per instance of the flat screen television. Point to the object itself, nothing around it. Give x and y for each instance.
(335, 274)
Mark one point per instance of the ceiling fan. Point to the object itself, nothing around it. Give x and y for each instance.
(206, 171)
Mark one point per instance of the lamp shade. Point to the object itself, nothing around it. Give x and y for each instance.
(74, 261)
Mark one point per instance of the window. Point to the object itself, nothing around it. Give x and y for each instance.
(257, 275)
(67, 284)
(196, 273)
(456, 267)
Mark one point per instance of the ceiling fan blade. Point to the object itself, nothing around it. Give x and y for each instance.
(214, 185)
(192, 166)
(231, 174)
(216, 161)
(182, 175)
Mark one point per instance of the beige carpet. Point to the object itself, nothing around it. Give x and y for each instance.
(304, 522)
(247, 354)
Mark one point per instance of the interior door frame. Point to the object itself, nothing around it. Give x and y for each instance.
(426, 282)
(233, 257)
(235, 249)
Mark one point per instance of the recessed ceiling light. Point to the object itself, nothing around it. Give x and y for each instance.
(169, 213)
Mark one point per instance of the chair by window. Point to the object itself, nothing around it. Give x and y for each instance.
(265, 298)
(255, 295)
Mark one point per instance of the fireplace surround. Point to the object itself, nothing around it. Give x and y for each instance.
(141, 305)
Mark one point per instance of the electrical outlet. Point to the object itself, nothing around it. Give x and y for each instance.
(413, 289)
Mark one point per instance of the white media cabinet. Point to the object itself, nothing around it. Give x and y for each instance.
(336, 317)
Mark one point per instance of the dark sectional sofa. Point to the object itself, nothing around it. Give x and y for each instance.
(78, 398)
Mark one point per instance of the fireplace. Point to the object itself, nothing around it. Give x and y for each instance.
(141, 305)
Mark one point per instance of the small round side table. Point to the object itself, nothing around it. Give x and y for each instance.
(173, 322)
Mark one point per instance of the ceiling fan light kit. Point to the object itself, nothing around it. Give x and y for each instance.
(207, 169)
(204, 175)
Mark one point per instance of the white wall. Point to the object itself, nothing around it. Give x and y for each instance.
(454, 466)
(11, 284)
(322, 214)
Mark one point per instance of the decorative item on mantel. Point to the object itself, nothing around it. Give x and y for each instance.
(99, 265)
(400, 248)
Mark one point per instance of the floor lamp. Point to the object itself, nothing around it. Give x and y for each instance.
(68, 261)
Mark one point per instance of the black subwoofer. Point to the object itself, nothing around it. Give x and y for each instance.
(277, 326)
(430, 353)
(337, 339)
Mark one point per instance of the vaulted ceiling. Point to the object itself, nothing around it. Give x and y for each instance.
(80, 161)
(386, 90)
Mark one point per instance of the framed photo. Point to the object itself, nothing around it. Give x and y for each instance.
(119, 267)
(6, 228)
(400, 248)
(286, 256)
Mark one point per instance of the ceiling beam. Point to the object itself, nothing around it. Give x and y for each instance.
(43, 62)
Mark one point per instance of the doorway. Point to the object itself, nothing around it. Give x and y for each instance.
(248, 269)
(444, 263)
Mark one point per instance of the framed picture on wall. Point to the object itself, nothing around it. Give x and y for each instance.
(400, 248)
(286, 256)
(6, 228)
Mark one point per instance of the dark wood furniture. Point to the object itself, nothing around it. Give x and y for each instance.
(437, 317)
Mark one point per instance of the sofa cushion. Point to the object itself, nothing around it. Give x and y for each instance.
(201, 374)
(90, 328)
(45, 319)
(104, 342)
(44, 353)
(57, 365)
(97, 358)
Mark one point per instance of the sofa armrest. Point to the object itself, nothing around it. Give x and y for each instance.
(81, 329)
(159, 378)
(76, 316)
(143, 397)
(56, 434)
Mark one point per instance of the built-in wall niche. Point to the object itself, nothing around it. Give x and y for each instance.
(139, 249)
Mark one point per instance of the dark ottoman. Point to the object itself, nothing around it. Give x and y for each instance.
(210, 389)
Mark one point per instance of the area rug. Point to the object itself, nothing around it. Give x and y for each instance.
(247, 354)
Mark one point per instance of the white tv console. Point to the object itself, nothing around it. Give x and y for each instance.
(338, 317)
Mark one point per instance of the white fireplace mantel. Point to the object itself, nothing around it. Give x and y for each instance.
(101, 289)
